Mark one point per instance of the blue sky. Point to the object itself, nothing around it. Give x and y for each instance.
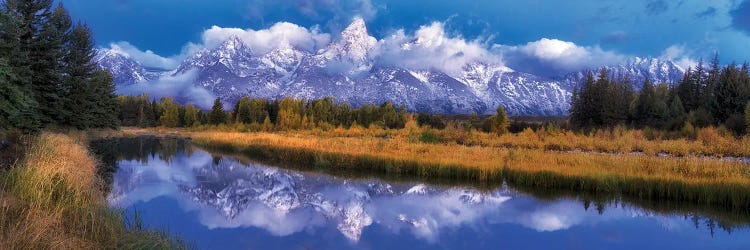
(687, 29)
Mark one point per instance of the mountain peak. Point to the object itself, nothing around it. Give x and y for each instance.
(234, 43)
(356, 27)
(353, 45)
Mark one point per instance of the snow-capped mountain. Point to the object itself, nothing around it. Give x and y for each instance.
(344, 70)
(637, 69)
(124, 69)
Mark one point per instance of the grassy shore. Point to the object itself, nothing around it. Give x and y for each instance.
(52, 199)
(699, 180)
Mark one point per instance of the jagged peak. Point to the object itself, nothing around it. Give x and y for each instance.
(357, 26)
(353, 45)
(234, 42)
(110, 53)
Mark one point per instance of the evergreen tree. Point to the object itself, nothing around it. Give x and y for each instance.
(81, 99)
(712, 81)
(677, 114)
(732, 93)
(17, 106)
(650, 108)
(584, 110)
(39, 42)
(217, 115)
(104, 110)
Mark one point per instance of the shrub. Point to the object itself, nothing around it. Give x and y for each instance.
(429, 136)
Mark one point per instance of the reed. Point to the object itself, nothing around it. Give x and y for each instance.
(692, 179)
(53, 199)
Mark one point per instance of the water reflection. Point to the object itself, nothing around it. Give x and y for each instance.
(222, 193)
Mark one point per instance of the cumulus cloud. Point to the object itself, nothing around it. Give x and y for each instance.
(679, 55)
(148, 58)
(431, 48)
(265, 40)
(550, 57)
(179, 87)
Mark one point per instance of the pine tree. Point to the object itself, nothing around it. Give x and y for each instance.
(41, 44)
(217, 115)
(712, 81)
(677, 114)
(105, 103)
(650, 108)
(584, 110)
(81, 97)
(16, 104)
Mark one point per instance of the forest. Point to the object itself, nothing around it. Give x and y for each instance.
(47, 73)
(713, 96)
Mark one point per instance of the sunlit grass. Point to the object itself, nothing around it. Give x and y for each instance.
(53, 200)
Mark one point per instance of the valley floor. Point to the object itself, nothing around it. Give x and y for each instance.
(620, 162)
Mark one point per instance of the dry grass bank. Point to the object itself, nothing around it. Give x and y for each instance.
(52, 199)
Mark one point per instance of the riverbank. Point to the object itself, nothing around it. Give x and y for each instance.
(700, 180)
(52, 198)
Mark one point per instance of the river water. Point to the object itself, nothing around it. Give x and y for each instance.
(215, 201)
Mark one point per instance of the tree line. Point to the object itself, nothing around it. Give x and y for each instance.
(47, 73)
(259, 114)
(705, 96)
(285, 114)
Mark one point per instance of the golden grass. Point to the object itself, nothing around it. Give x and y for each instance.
(694, 179)
(53, 200)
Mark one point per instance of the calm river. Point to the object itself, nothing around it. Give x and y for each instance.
(216, 201)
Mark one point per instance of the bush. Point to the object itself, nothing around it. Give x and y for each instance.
(429, 136)
(434, 121)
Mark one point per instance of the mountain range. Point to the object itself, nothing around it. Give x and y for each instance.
(344, 70)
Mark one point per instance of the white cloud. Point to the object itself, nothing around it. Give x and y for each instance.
(431, 48)
(265, 40)
(679, 55)
(428, 48)
(147, 58)
(179, 87)
(553, 56)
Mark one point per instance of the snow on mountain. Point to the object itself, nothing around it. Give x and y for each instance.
(637, 69)
(124, 69)
(345, 70)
